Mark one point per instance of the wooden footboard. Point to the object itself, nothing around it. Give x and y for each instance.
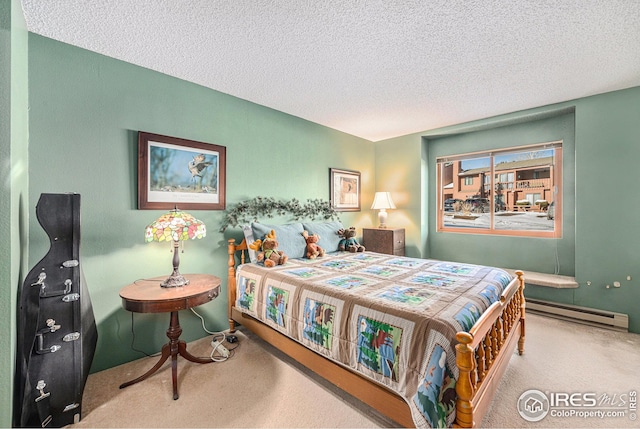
(482, 354)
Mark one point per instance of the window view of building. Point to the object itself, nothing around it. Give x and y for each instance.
(513, 191)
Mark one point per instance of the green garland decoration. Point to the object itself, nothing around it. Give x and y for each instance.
(247, 211)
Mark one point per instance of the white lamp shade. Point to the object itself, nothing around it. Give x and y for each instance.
(382, 200)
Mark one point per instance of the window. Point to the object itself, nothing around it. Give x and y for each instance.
(505, 180)
(518, 191)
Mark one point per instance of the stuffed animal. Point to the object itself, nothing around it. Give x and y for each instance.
(313, 250)
(349, 241)
(268, 251)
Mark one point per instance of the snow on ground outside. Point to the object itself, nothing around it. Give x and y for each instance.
(528, 221)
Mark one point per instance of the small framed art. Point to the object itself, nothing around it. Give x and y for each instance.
(344, 186)
(177, 172)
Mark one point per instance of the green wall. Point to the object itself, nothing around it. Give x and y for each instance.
(607, 203)
(7, 342)
(14, 119)
(600, 236)
(85, 112)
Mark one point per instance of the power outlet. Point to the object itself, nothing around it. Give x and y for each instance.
(218, 347)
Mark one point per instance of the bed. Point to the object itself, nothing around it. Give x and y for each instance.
(424, 342)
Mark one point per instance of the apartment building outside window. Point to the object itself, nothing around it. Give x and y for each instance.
(514, 191)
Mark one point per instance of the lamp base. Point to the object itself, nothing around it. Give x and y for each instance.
(175, 280)
(382, 218)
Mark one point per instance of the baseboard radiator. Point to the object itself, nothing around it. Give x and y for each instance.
(588, 316)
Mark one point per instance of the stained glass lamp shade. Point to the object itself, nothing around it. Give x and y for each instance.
(175, 226)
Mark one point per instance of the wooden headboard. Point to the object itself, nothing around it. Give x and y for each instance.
(231, 276)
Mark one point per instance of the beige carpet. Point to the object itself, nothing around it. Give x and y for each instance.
(253, 388)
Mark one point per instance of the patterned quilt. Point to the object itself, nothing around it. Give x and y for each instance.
(392, 319)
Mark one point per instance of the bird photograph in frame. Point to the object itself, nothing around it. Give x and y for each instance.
(344, 190)
(174, 172)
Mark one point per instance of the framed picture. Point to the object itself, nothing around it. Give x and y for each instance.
(177, 172)
(344, 186)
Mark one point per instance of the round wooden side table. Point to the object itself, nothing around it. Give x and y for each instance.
(147, 296)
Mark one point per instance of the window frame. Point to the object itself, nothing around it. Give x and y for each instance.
(557, 184)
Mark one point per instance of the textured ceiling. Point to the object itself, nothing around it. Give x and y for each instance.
(375, 69)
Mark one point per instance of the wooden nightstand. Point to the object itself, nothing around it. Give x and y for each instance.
(384, 240)
(147, 296)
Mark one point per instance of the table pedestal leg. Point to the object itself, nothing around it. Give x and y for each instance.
(174, 348)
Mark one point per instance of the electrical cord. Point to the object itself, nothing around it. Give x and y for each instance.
(133, 333)
(223, 353)
(203, 326)
(133, 339)
(219, 352)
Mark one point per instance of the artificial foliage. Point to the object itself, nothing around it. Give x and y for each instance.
(257, 208)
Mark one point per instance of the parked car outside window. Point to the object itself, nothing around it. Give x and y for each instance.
(480, 205)
(449, 204)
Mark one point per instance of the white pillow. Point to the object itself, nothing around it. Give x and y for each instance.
(248, 236)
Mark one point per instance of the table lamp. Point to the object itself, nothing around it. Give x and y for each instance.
(382, 201)
(175, 226)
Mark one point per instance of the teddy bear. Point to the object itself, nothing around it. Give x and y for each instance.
(349, 241)
(268, 251)
(313, 250)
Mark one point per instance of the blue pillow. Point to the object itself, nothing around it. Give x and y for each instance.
(329, 239)
(290, 239)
